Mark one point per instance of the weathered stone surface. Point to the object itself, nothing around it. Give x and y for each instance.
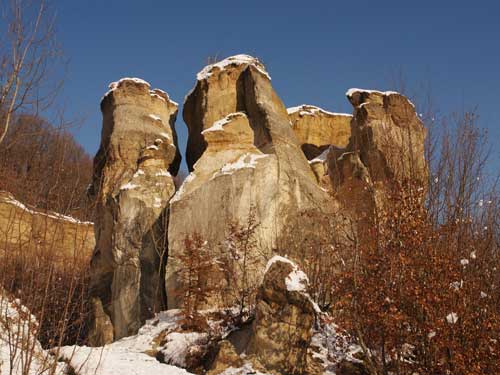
(245, 160)
(219, 91)
(31, 230)
(132, 186)
(317, 129)
(284, 319)
(226, 357)
(386, 148)
(231, 180)
(389, 136)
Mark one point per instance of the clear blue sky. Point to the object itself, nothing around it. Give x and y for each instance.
(313, 50)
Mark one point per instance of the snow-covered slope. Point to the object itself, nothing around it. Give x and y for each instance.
(20, 352)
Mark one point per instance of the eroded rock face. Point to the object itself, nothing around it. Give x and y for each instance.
(132, 186)
(386, 149)
(317, 129)
(389, 136)
(285, 315)
(23, 227)
(278, 341)
(246, 160)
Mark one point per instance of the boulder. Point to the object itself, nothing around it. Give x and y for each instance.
(246, 162)
(284, 320)
(132, 186)
(317, 129)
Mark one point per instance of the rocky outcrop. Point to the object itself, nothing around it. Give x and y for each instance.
(386, 149)
(388, 135)
(279, 341)
(132, 186)
(30, 230)
(284, 319)
(317, 129)
(245, 160)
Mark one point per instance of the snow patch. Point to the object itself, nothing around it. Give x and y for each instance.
(156, 93)
(452, 318)
(278, 258)
(139, 172)
(296, 281)
(165, 135)
(245, 369)
(182, 189)
(163, 173)
(115, 85)
(219, 125)
(321, 158)
(247, 160)
(311, 110)
(207, 71)
(177, 346)
(129, 186)
(17, 330)
(52, 215)
(352, 91)
(112, 360)
(155, 118)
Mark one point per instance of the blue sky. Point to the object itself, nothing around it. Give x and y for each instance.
(313, 50)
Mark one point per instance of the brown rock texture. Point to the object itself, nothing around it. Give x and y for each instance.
(31, 230)
(132, 186)
(245, 159)
(386, 148)
(317, 129)
(389, 135)
(285, 315)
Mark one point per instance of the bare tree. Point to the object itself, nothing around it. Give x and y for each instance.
(28, 53)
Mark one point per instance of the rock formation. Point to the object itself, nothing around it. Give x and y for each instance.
(30, 230)
(279, 338)
(245, 161)
(253, 164)
(284, 318)
(317, 129)
(386, 148)
(132, 186)
(388, 135)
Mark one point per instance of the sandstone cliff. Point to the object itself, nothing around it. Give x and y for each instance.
(246, 162)
(36, 232)
(317, 129)
(132, 186)
(253, 165)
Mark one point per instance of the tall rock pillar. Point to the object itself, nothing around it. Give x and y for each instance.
(132, 185)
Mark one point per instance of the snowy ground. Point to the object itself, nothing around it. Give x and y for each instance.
(161, 337)
(20, 352)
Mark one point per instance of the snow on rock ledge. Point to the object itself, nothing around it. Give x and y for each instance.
(295, 281)
(219, 125)
(311, 110)
(242, 59)
(9, 199)
(154, 93)
(353, 91)
(357, 96)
